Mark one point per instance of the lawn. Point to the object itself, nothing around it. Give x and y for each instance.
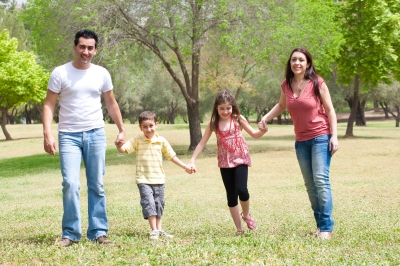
(365, 177)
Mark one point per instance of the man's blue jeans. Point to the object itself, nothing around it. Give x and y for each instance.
(314, 159)
(91, 146)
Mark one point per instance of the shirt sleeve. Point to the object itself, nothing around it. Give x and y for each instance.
(130, 146)
(107, 86)
(167, 150)
(55, 81)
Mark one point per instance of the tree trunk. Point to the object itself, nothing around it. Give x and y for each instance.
(194, 125)
(27, 115)
(385, 108)
(352, 117)
(376, 106)
(360, 117)
(279, 117)
(4, 123)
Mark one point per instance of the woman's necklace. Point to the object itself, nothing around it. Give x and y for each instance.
(299, 88)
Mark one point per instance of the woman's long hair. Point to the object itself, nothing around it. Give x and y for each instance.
(310, 73)
(222, 97)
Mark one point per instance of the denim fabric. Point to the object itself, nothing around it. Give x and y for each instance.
(314, 159)
(91, 146)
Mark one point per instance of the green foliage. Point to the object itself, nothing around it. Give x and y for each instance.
(274, 28)
(11, 22)
(21, 78)
(371, 30)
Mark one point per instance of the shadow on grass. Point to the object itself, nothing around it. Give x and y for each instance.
(5, 140)
(28, 165)
(41, 163)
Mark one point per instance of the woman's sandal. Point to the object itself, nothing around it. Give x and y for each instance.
(251, 224)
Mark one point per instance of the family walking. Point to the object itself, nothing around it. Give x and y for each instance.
(79, 86)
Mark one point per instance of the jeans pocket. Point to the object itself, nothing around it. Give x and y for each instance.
(322, 139)
(100, 132)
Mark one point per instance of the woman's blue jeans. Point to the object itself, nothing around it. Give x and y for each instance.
(314, 159)
(91, 146)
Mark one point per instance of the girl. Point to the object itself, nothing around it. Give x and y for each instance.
(233, 155)
(307, 98)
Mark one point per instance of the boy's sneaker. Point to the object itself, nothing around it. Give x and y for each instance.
(64, 242)
(154, 234)
(103, 240)
(166, 235)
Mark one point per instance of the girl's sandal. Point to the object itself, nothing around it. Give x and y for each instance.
(251, 224)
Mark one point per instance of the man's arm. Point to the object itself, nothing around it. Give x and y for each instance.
(115, 113)
(47, 119)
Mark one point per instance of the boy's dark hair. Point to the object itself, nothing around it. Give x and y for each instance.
(87, 34)
(147, 115)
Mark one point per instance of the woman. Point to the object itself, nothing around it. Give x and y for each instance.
(308, 101)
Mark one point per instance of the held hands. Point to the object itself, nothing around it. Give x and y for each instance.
(120, 139)
(262, 125)
(190, 168)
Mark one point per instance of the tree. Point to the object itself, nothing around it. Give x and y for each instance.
(371, 29)
(21, 78)
(10, 21)
(388, 97)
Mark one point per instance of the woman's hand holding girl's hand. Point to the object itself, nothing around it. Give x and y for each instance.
(262, 125)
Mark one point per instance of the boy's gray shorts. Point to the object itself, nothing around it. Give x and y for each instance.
(152, 200)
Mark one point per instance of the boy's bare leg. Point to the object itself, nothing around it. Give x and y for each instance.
(153, 222)
(159, 224)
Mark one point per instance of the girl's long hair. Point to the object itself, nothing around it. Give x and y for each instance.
(310, 73)
(222, 97)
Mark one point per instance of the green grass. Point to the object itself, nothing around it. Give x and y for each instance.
(365, 183)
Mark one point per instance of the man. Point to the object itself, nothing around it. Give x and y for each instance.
(79, 85)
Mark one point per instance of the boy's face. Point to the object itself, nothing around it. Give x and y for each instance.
(149, 128)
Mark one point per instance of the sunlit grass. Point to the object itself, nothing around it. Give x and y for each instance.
(365, 183)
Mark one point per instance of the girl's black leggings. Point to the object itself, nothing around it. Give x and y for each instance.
(235, 182)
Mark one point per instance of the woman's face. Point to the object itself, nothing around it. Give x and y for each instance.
(298, 63)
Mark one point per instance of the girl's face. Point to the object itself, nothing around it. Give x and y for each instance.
(224, 111)
(298, 63)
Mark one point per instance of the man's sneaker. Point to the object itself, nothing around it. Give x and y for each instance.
(64, 242)
(165, 234)
(154, 234)
(315, 233)
(103, 240)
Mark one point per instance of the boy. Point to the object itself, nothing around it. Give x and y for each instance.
(150, 176)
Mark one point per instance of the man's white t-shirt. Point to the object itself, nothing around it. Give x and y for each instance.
(80, 96)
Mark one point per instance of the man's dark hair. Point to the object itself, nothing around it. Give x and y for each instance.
(87, 34)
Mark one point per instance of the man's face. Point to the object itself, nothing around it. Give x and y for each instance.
(84, 52)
